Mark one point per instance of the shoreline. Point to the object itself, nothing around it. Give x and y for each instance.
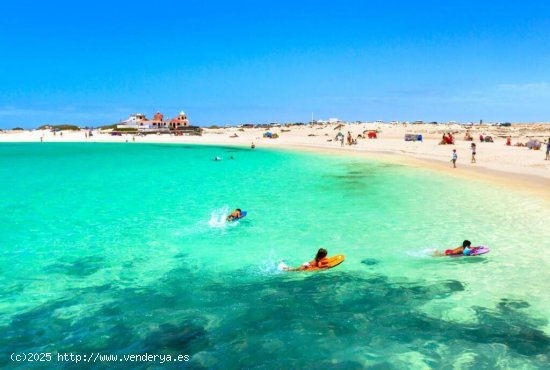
(514, 167)
(530, 184)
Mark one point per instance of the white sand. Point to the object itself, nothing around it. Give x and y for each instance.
(515, 166)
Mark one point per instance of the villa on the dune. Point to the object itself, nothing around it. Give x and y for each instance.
(178, 124)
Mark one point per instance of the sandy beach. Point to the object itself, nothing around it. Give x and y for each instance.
(512, 165)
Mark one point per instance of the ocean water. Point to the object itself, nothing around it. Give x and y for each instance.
(122, 249)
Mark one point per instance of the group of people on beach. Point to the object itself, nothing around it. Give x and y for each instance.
(447, 139)
(349, 139)
(454, 156)
(486, 139)
(473, 148)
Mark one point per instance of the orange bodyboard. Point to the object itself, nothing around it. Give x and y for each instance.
(332, 262)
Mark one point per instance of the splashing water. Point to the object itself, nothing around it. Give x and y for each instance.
(420, 253)
(272, 264)
(218, 218)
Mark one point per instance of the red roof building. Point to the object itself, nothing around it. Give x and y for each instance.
(158, 120)
(179, 121)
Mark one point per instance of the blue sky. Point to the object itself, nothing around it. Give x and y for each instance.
(226, 62)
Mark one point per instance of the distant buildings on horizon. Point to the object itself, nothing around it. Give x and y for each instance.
(140, 121)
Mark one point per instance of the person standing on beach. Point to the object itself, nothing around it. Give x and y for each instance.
(454, 158)
(547, 150)
(473, 147)
(481, 138)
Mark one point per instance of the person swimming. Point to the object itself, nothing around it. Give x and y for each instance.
(466, 249)
(236, 214)
(320, 261)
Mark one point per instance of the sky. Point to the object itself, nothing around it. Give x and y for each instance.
(93, 63)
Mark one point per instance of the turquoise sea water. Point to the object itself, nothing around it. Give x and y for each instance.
(120, 249)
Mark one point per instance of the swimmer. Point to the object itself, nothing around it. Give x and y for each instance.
(236, 214)
(466, 249)
(319, 261)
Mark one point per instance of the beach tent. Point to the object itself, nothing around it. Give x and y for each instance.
(413, 137)
(268, 134)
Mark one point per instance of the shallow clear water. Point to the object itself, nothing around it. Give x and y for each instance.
(119, 249)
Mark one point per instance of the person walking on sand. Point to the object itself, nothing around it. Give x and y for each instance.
(454, 158)
(473, 148)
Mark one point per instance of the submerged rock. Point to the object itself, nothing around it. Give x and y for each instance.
(370, 261)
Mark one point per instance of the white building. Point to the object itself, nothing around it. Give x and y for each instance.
(135, 121)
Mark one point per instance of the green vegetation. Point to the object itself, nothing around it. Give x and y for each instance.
(125, 129)
(59, 127)
(17, 129)
(108, 127)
